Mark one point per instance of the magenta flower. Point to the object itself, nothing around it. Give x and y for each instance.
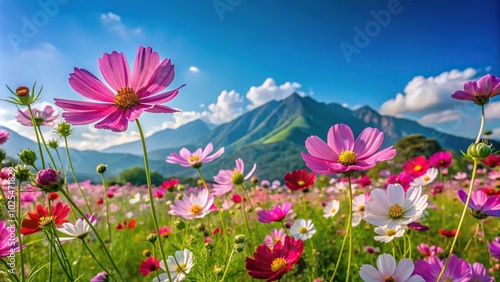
(275, 237)
(481, 204)
(494, 247)
(481, 91)
(458, 270)
(479, 273)
(341, 153)
(45, 117)
(429, 251)
(4, 135)
(8, 245)
(193, 206)
(132, 94)
(225, 180)
(195, 159)
(277, 213)
(440, 159)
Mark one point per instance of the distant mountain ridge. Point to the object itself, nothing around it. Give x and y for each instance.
(272, 136)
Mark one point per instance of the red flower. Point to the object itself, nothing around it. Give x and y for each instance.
(164, 231)
(492, 160)
(236, 198)
(447, 233)
(417, 166)
(440, 159)
(124, 225)
(110, 194)
(299, 179)
(170, 184)
(273, 264)
(403, 178)
(53, 196)
(100, 201)
(31, 223)
(149, 265)
(364, 181)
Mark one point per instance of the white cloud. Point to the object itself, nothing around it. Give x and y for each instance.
(492, 110)
(194, 69)
(228, 107)
(268, 91)
(114, 23)
(422, 95)
(439, 117)
(90, 138)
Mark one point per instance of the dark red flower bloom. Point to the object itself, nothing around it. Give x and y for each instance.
(364, 181)
(124, 225)
(299, 179)
(236, 198)
(170, 184)
(273, 264)
(417, 166)
(492, 161)
(403, 178)
(53, 196)
(149, 265)
(447, 233)
(31, 223)
(100, 201)
(110, 194)
(440, 159)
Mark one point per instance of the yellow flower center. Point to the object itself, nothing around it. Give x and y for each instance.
(347, 158)
(181, 268)
(427, 178)
(193, 159)
(389, 278)
(333, 210)
(390, 232)
(303, 230)
(46, 221)
(396, 212)
(417, 168)
(301, 182)
(361, 208)
(196, 209)
(126, 98)
(278, 264)
(447, 280)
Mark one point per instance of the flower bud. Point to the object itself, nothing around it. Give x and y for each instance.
(101, 168)
(199, 182)
(146, 252)
(49, 180)
(218, 270)
(237, 178)
(479, 151)
(64, 129)
(28, 157)
(179, 196)
(254, 180)
(152, 237)
(179, 224)
(241, 238)
(239, 247)
(22, 173)
(22, 91)
(3, 155)
(53, 143)
(200, 227)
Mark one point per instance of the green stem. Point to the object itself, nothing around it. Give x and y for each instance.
(107, 210)
(46, 147)
(103, 245)
(253, 209)
(485, 244)
(50, 238)
(37, 137)
(74, 174)
(409, 246)
(94, 257)
(77, 269)
(57, 242)
(227, 265)
(151, 199)
(481, 128)
(472, 238)
(471, 186)
(154, 260)
(349, 228)
(19, 223)
(243, 210)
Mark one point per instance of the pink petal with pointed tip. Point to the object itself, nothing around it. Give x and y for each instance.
(146, 62)
(115, 70)
(89, 86)
(116, 121)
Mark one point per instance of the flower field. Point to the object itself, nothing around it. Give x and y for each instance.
(353, 215)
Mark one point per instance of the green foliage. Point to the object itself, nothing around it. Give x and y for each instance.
(415, 145)
(137, 176)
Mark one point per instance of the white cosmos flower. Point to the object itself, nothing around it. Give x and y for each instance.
(387, 270)
(430, 175)
(135, 199)
(358, 209)
(178, 266)
(331, 209)
(394, 207)
(78, 230)
(386, 235)
(302, 229)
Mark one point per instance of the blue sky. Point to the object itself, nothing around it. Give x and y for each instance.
(243, 53)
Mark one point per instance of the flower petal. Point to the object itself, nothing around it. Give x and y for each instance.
(89, 86)
(145, 65)
(116, 121)
(340, 138)
(115, 70)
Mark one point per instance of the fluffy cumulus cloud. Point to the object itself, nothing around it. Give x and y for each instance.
(439, 117)
(114, 23)
(492, 110)
(427, 94)
(228, 107)
(269, 90)
(194, 69)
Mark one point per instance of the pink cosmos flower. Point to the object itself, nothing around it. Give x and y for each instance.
(417, 166)
(275, 237)
(481, 204)
(193, 206)
(195, 159)
(458, 270)
(149, 265)
(481, 91)
(479, 273)
(44, 117)
(8, 245)
(4, 135)
(440, 159)
(494, 247)
(341, 153)
(131, 94)
(277, 213)
(429, 251)
(404, 179)
(225, 180)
